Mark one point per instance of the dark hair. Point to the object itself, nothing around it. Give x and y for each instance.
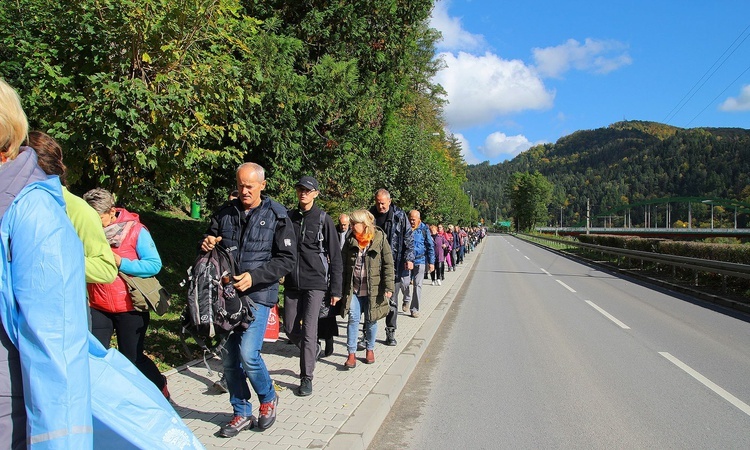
(49, 155)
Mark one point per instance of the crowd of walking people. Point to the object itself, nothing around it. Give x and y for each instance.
(61, 281)
(364, 270)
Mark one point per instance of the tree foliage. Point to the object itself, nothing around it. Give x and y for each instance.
(530, 195)
(160, 100)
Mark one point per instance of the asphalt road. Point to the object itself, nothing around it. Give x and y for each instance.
(540, 351)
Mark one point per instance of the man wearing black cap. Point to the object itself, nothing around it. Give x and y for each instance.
(316, 278)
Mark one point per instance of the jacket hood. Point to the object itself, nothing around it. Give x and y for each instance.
(123, 215)
(22, 171)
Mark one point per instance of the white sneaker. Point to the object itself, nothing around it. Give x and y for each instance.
(440, 283)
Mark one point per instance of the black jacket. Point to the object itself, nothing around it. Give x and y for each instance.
(309, 272)
(398, 232)
(262, 243)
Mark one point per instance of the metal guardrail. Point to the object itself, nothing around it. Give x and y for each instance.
(740, 232)
(699, 264)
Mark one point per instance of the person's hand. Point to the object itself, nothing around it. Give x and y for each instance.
(409, 265)
(432, 268)
(335, 300)
(388, 294)
(243, 281)
(118, 259)
(209, 243)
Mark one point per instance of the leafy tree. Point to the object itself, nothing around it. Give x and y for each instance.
(160, 100)
(148, 97)
(530, 195)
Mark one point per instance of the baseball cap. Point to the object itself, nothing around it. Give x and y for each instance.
(308, 183)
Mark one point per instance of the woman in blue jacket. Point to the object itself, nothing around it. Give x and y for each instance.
(44, 372)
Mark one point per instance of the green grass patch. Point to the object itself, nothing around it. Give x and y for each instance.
(177, 237)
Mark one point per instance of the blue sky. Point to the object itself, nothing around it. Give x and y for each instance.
(523, 73)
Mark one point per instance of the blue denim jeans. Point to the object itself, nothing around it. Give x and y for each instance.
(358, 305)
(242, 359)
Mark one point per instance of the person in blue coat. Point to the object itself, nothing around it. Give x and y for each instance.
(44, 373)
(424, 262)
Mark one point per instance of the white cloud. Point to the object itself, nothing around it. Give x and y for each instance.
(455, 37)
(598, 56)
(466, 152)
(498, 145)
(740, 103)
(479, 88)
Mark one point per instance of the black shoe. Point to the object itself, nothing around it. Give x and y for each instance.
(221, 385)
(361, 344)
(329, 347)
(305, 387)
(267, 415)
(390, 338)
(237, 424)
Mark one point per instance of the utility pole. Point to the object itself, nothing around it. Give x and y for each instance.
(588, 216)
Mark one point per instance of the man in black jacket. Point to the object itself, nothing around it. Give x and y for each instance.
(315, 279)
(393, 221)
(258, 232)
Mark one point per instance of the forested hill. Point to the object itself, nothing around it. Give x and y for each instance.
(626, 162)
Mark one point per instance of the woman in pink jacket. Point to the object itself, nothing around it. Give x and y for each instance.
(111, 306)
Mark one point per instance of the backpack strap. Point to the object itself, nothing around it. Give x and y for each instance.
(234, 267)
(322, 252)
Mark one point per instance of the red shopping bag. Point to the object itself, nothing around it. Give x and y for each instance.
(272, 327)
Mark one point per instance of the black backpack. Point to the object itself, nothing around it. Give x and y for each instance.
(214, 307)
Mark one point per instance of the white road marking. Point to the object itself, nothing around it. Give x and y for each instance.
(546, 272)
(608, 315)
(708, 383)
(566, 286)
(527, 257)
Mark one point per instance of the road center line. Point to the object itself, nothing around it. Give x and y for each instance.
(566, 286)
(549, 274)
(608, 315)
(527, 257)
(708, 383)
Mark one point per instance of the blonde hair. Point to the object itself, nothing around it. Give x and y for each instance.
(364, 216)
(14, 126)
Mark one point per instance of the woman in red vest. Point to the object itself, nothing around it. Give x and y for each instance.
(111, 306)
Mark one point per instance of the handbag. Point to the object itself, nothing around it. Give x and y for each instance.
(147, 293)
(326, 310)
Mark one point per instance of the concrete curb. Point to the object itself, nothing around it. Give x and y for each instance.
(359, 430)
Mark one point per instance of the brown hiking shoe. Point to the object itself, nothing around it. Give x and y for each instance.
(351, 361)
(369, 357)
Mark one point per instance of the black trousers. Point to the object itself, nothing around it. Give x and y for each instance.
(439, 272)
(130, 328)
(301, 310)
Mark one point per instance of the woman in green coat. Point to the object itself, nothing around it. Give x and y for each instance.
(368, 282)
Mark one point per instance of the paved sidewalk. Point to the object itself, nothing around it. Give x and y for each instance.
(347, 406)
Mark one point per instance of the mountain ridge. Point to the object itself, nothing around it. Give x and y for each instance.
(623, 163)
